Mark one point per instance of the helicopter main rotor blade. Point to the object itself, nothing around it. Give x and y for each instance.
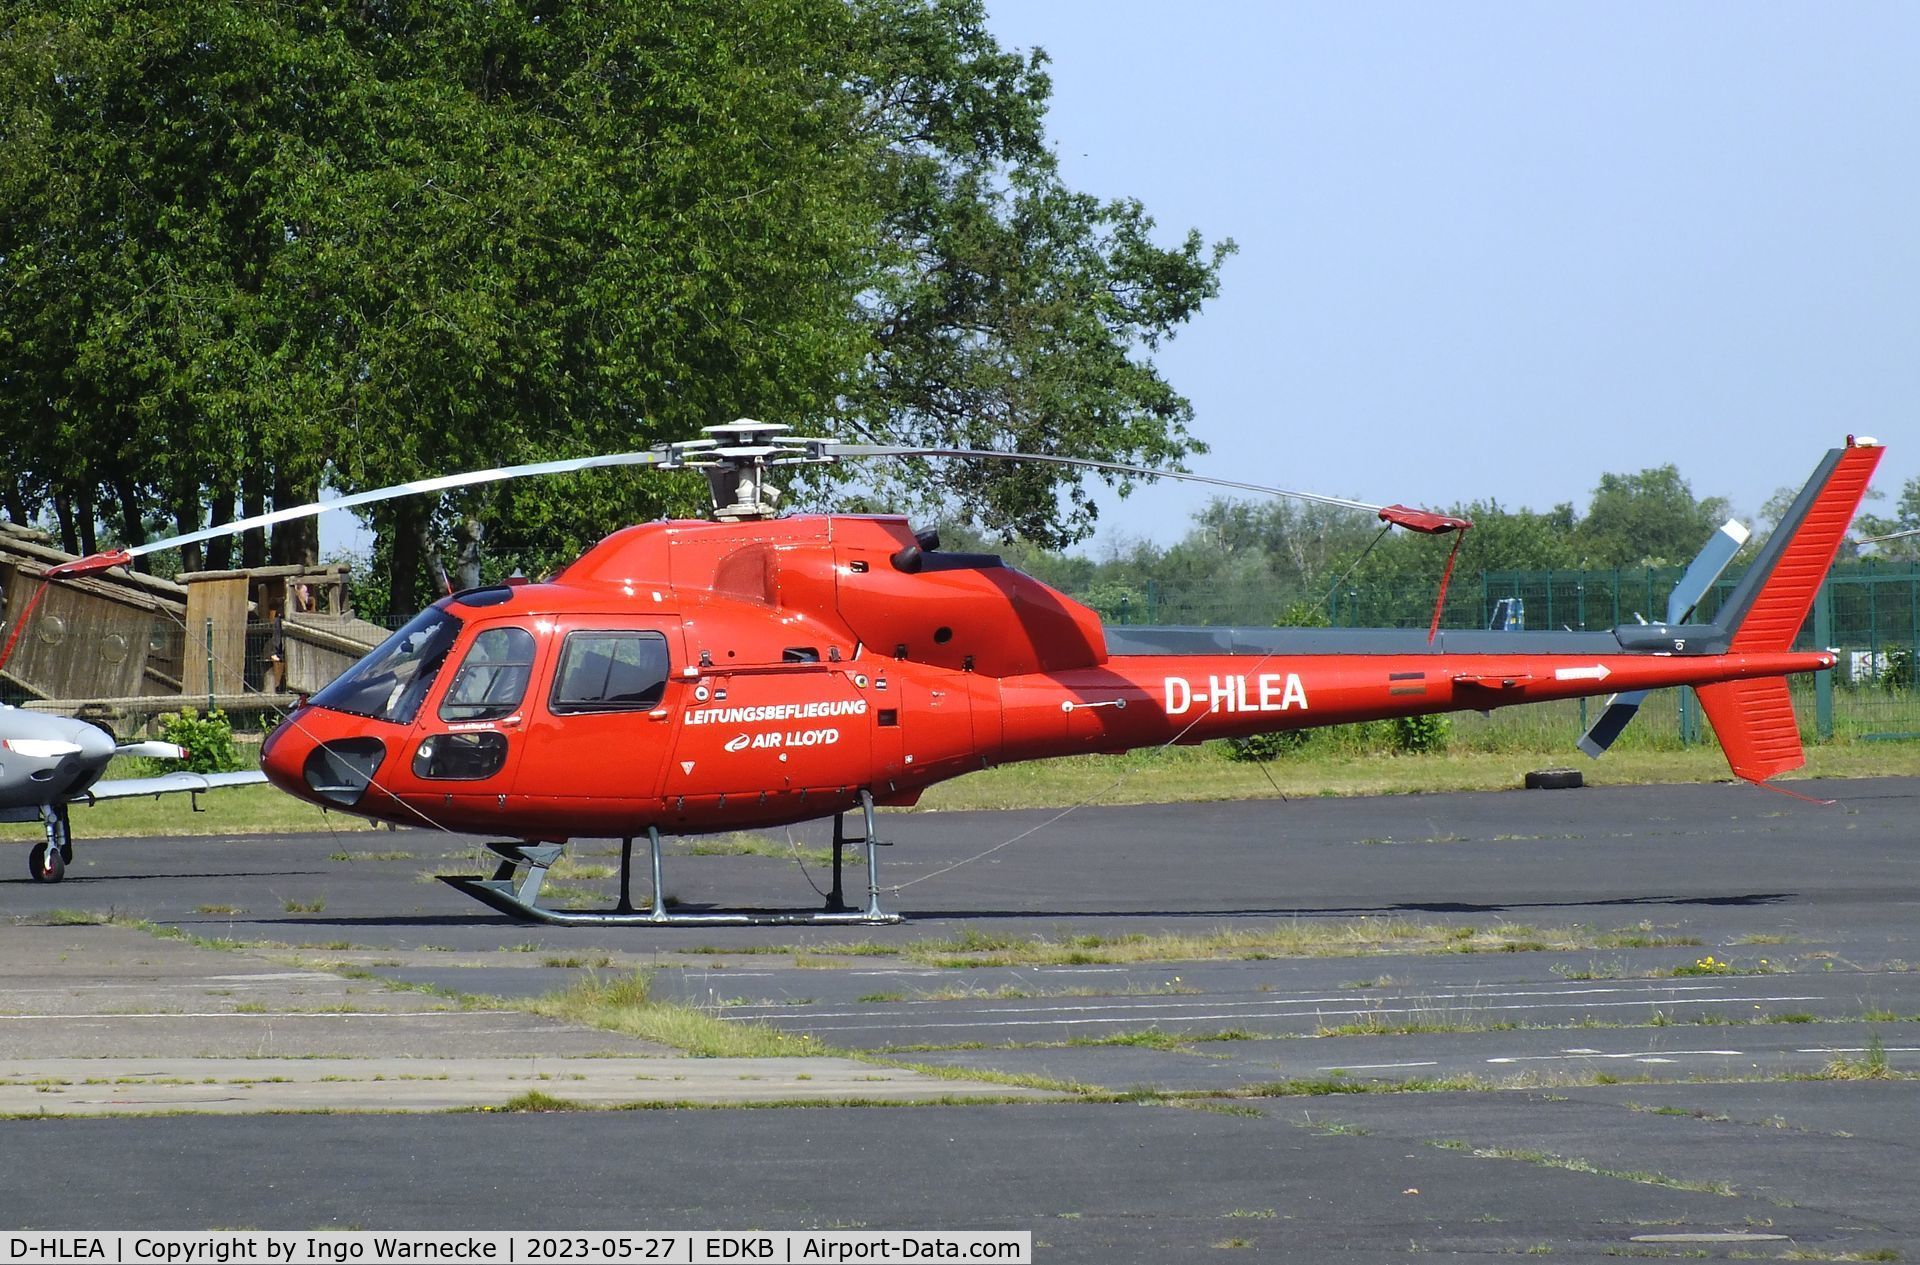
(898, 450)
(119, 557)
(1417, 520)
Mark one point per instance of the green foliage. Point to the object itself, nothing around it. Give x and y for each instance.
(1260, 748)
(254, 249)
(208, 739)
(1905, 517)
(1418, 735)
(1899, 673)
(1647, 519)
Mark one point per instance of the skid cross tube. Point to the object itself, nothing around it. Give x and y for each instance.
(515, 893)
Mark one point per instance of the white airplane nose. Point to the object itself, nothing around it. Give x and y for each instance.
(94, 742)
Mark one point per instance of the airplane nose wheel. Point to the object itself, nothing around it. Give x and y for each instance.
(47, 862)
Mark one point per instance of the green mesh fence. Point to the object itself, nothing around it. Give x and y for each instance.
(1868, 613)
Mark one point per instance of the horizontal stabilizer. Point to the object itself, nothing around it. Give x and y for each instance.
(1756, 726)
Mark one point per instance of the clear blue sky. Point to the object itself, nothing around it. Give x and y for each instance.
(1492, 250)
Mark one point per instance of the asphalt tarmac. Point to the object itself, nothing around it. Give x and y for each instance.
(1698, 1041)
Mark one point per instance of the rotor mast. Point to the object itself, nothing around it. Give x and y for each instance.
(735, 460)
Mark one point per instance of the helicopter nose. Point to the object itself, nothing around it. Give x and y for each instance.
(322, 756)
(285, 751)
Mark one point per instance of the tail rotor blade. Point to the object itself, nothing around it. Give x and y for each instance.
(1619, 710)
(1704, 570)
(1686, 595)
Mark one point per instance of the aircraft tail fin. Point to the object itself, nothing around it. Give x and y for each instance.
(1754, 718)
(1771, 603)
(1756, 726)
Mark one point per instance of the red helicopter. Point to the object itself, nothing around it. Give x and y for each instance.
(686, 677)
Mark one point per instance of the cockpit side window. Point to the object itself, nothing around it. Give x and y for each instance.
(492, 678)
(610, 672)
(392, 681)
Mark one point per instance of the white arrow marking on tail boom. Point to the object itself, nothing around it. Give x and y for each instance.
(1598, 672)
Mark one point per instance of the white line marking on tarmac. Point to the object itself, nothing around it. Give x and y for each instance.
(1369, 1067)
(805, 1022)
(1639, 1055)
(1345, 1003)
(1860, 1049)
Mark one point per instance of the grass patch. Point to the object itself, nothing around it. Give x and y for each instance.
(534, 1100)
(1300, 938)
(370, 856)
(1338, 1083)
(1711, 965)
(1191, 774)
(71, 918)
(1546, 1159)
(744, 844)
(1376, 1025)
(624, 1004)
(317, 905)
(571, 867)
(1870, 1066)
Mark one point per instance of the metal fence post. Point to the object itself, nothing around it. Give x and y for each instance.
(209, 667)
(1823, 681)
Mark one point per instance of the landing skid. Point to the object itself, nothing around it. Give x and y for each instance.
(513, 890)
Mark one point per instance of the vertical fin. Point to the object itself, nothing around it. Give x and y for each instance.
(1766, 611)
(1756, 726)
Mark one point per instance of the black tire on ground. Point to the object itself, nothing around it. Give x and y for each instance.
(1555, 779)
(46, 864)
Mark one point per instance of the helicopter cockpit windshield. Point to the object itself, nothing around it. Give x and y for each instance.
(391, 682)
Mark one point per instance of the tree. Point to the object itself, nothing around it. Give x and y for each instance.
(1647, 519)
(1905, 517)
(249, 250)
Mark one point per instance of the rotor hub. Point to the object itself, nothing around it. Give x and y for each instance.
(735, 459)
